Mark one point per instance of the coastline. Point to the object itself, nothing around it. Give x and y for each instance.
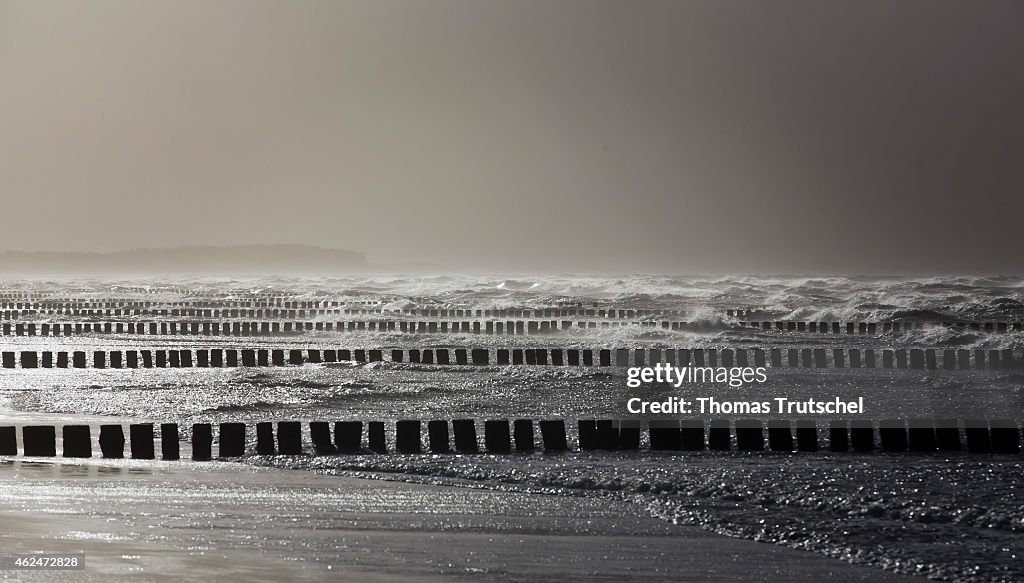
(159, 520)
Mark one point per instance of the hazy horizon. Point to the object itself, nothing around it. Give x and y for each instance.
(309, 260)
(580, 137)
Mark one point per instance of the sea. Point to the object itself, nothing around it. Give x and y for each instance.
(949, 515)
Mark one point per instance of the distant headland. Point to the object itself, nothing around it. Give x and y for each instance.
(231, 259)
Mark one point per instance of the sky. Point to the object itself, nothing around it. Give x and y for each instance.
(570, 136)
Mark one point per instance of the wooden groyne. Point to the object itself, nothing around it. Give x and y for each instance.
(791, 358)
(504, 436)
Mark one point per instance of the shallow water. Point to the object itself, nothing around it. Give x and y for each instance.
(954, 517)
(230, 522)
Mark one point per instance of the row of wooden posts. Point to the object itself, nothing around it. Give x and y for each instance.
(248, 328)
(914, 358)
(488, 327)
(873, 328)
(297, 309)
(502, 436)
(209, 302)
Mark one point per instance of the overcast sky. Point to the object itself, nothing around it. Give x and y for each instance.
(530, 135)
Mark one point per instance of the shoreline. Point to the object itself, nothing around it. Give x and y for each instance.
(165, 520)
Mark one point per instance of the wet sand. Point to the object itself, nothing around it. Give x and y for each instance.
(172, 520)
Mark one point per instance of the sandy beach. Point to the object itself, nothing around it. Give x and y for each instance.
(159, 521)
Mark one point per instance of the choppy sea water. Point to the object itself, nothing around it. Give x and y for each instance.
(949, 516)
